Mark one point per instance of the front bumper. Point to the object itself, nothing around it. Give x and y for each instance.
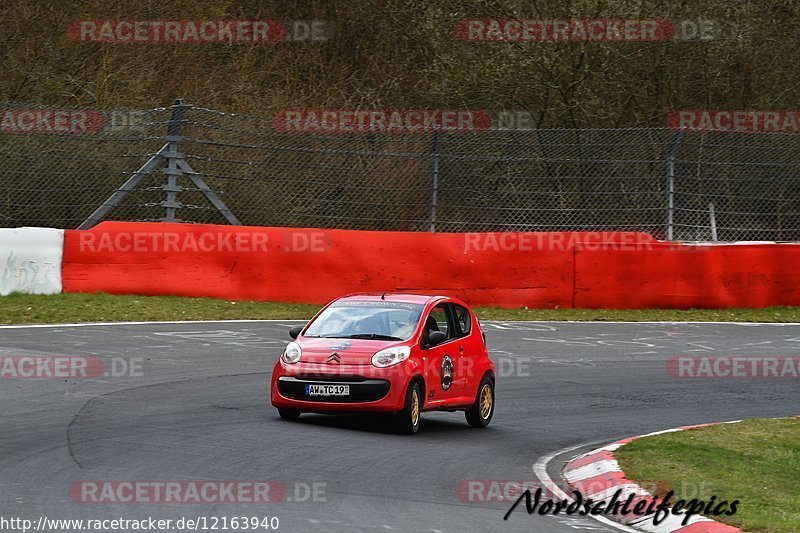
(361, 390)
(371, 389)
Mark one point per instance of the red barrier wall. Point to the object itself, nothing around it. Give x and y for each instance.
(613, 270)
(684, 276)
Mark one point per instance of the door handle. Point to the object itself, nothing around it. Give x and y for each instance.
(461, 349)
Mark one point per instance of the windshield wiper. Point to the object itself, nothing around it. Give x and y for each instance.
(377, 336)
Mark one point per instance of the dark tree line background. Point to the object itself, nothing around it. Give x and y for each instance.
(404, 53)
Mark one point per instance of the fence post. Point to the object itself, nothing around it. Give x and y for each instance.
(434, 179)
(676, 141)
(171, 187)
(176, 166)
(713, 221)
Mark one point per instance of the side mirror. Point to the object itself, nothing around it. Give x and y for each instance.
(295, 331)
(436, 337)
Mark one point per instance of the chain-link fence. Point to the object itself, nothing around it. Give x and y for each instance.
(683, 186)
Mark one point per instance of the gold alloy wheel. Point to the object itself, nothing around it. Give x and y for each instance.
(486, 401)
(414, 407)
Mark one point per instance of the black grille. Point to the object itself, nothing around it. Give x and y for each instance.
(361, 389)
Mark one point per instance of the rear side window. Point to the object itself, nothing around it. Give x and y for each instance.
(463, 320)
(437, 321)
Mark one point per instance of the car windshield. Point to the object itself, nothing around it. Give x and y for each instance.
(361, 319)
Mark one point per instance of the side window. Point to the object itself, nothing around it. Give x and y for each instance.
(463, 320)
(437, 321)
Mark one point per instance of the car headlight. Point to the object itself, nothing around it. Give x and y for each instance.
(391, 356)
(292, 353)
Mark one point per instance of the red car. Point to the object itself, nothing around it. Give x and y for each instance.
(392, 353)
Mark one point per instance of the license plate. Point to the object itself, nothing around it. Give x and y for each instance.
(327, 390)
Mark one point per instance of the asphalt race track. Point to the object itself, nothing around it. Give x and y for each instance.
(198, 410)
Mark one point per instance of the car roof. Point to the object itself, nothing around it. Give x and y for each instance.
(404, 297)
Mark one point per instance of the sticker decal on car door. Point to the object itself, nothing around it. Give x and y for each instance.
(447, 372)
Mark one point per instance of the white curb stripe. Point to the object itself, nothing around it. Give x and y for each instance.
(653, 434)
(671, 523)
(626, 488)
(607, 448)
(591, 470)
(540, 471)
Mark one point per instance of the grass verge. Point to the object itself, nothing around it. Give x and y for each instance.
(41, 309)
(756, 462)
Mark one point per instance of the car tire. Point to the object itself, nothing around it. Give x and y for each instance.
(408, 418)
(482, 411)
(289, 414)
